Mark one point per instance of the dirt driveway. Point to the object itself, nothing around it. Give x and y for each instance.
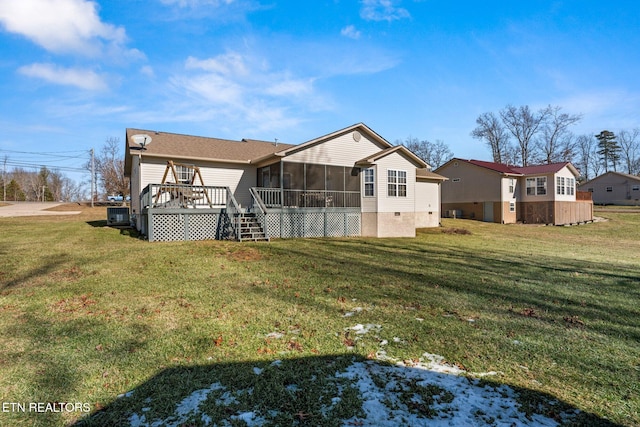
(32, 209)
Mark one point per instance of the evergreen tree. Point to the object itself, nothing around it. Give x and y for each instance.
(609, 150)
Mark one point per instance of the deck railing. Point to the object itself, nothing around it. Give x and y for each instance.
(583, 195)
(184, 196)
(282, 198)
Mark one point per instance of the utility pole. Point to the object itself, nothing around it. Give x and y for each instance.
(93, 170)
(4, 180)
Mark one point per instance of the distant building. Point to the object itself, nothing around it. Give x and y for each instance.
(614, 188)
(495, 192)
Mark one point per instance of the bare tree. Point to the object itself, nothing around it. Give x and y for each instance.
(491, 130)
(524, 126)
(434, 154)
(629, 142)
(110, 168)
(556, 142)
(587, 147)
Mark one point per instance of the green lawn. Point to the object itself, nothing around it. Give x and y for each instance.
(88, 313)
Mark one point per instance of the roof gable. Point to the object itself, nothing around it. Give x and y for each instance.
(401, 149)
(544, 168)
(358, 127)
(610, 173)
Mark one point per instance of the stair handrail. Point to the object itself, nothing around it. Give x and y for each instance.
(256, 201)
(233, 211)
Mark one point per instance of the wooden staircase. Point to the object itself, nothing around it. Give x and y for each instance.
(249, 228)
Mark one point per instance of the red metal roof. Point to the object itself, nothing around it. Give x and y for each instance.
(498, 167)
(537, 169)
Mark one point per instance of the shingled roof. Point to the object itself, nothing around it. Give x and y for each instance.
(178, 146)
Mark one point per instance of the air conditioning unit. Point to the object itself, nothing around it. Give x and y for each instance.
(118, 216)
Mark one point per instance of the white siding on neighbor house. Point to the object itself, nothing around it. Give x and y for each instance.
(508, 196)
(386, 203)
(343, 150)
(566, 174)
(239, 178)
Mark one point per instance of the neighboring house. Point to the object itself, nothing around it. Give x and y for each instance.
(495, 192)
(614, 188)
(351, 182)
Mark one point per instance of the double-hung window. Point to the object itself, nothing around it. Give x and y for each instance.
(369, 182)
(537, 186)
(396, 183)
(541, 185)
(185, 174)
(560, 185)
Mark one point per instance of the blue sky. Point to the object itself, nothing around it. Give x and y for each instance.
(76, 72)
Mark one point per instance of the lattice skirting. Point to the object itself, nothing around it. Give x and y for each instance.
(313, 224)
(188, 226)
(193, 225)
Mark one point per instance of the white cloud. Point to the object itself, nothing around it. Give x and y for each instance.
(382, 10)
(147, 70)
(61, 26)
(351, 32)
(228, 64)
(83, 79)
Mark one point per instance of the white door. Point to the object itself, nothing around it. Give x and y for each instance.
(488, 212)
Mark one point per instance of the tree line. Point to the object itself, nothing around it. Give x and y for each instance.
(520, 136)
(45, 184)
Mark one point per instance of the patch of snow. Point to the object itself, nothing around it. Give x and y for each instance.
(361, 329)
(275, 335)
(250, 418)
(458, 401)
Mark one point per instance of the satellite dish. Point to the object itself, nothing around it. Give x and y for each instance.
(142, 140)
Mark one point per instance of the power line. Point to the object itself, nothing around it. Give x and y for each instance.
(48, 153)
(17, 163)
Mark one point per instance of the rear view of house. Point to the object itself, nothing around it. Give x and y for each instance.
(614, 188)
(495, 192)
(351, 182)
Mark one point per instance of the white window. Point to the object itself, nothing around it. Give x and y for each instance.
(512, 206)
(185, 174)
(531, 186)
(512, 185)
(541, 185)
(369, 182)
(609, 189)
(455, 180)
(559, 185)
(635, 188)
(571, 186)
(537, 186)
(396, 183)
